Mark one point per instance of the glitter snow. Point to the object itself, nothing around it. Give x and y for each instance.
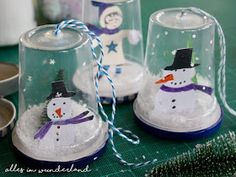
(126, 83)
(90, 137)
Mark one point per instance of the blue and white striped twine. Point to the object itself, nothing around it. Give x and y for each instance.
(121, 132)
(221, 71)
(134, 139)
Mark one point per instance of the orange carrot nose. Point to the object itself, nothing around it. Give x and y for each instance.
(58, 111)
(167, 78)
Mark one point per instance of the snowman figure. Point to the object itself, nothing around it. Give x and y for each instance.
(63, 126)
(110, 20)
(178, 92)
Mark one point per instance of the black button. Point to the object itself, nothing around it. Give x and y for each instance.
(58, 127)
(57, 134)
(57, 139)
(173, 107)
(180, 83)
(175, 83)
(173, 100)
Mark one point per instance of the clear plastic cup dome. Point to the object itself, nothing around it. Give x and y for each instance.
(57, 121)
(118, 24)
(179, 84)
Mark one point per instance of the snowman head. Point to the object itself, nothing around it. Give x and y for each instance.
(59, 106)
(181, 72)
(178, 77)
(111, 18)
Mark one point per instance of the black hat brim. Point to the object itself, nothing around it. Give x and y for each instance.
(64, 95)
(171, 68)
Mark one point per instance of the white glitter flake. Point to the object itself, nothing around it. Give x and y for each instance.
(173, 52)
(52, 62)
(29, 78)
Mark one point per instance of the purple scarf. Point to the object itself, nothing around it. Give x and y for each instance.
(76, 120)
(100, 31)
(205, 89)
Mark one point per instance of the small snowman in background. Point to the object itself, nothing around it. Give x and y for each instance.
(110, 20)
(178, 92)
(62, 128)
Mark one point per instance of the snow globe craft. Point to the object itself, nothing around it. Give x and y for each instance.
(118, 24)
(58, 124)
(178, 96)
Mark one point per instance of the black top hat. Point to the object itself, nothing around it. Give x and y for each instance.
(59, 90)
(182, 59)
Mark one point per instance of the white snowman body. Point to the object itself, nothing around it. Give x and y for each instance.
(176, 102)
(63, 135)
(60, 135)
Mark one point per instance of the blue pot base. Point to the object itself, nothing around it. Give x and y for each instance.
(79, 163)
(180, 135)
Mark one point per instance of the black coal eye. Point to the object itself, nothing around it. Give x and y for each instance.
(64, 103)
(54, 104)
(183, 70)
